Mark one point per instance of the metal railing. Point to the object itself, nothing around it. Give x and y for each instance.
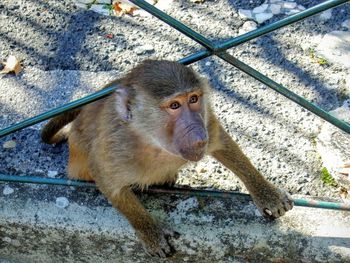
(218, 49)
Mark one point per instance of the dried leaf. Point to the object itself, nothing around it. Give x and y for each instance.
(110, 36)
(11, 65)
(124, 8)
(343, 194)
(345, 170)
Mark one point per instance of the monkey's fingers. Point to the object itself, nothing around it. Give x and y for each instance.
(276, 206)
(171, 233)
(275, 213)
(267, 213)
(158, 245)
(154, 253)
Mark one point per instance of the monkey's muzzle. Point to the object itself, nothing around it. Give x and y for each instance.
(193, 145)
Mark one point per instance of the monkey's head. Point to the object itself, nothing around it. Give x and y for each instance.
(167, 103)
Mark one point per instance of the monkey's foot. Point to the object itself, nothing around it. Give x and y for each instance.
(157, 243)
(273, 203)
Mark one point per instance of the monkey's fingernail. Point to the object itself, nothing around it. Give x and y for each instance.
(176, 235)
(268, 212)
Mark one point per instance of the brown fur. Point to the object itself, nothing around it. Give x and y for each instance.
(133, 138)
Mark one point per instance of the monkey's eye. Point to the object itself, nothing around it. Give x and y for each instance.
(175, 105)
(193, 99)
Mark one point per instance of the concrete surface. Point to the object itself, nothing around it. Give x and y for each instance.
(36, 230)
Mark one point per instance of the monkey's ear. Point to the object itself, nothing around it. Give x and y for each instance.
(123, 103)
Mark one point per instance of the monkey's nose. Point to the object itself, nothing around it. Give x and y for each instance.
(200, 144)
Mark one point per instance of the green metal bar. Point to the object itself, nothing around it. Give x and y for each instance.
(227, 195)
(57, 111)
(285, 92)
(278, 24)
(45, 180)
(175, 24)
(173, 190)
(195, 57)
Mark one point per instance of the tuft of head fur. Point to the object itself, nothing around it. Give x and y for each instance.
(161, 78)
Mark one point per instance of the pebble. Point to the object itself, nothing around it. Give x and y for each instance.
(166, 4)
(142, 13)
(80, 5)
(326, 15)
(9, 145)
(275, 9)
(260, 9)
(262, 17)
(100, 9)
(346, 23)
(301, 7)
(248, 26)
(7, 190)
(244, 13)
(289, 5)
(269, 9)
(251, 25)
(84, 1)
(62, 202)
(104, 2)
(293, 11)
(52, 174)
(144, 49)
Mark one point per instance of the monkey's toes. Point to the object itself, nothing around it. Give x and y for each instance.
(277, 205)
(160, 247)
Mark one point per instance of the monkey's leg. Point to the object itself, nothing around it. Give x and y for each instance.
(78, 163)
(270, 200)
(153, 237)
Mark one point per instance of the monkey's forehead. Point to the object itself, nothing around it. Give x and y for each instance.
(185, 93)
(162, 78)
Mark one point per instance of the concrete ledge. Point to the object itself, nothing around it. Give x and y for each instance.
(34, 229)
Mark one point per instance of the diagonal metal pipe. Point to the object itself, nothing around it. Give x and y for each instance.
(175, 24)
(57, 111)
(285, 92)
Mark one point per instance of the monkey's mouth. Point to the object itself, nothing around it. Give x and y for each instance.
(192, 155)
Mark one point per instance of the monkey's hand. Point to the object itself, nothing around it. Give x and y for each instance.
(156, 241)
(272, 202)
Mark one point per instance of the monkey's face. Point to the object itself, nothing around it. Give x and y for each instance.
(185, 129)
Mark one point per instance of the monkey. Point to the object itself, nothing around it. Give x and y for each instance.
(158, 119)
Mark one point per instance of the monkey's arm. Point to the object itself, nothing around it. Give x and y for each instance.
(271, 201)
(153, 237)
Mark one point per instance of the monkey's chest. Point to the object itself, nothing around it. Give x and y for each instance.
(158, 166)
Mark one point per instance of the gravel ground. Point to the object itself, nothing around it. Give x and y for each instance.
(66, 53)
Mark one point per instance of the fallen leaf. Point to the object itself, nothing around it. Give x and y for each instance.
(11, 65)
(110, 36)
(345, 170)
(197, 1)
(124, 8)
(343, 194)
